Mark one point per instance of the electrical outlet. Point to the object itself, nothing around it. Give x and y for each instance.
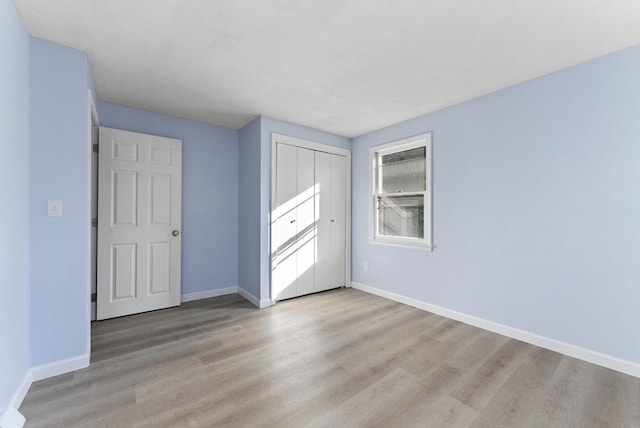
(365, 266)
(54, 208)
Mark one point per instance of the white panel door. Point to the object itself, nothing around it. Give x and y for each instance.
(139, 222)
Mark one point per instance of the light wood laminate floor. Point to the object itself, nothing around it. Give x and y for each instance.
(342, 358)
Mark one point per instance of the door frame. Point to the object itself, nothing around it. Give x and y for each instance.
(312, 145)
(92, 116)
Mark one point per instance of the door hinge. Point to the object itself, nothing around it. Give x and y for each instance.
(94, 297)
(95, 148)
(94, 222)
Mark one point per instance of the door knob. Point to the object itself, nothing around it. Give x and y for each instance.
(176, 232)
(292, 221)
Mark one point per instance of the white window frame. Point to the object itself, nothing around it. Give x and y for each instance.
(422, 140)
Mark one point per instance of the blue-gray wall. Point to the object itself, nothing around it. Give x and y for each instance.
(14, 203)
(60, 154)
(536, 211)
(209, 192)
(249, 208)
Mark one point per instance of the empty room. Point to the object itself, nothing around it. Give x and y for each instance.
(319, 213)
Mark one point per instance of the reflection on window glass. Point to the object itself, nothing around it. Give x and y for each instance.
(401, 216)
(403, 171)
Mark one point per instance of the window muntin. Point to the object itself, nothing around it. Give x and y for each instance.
(401, 192)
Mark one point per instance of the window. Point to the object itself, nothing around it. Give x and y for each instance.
(401, 192)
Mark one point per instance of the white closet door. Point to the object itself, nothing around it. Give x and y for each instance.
(283, 246)
(294, 228)
(284, 250)
(286, 178)
(309, 227)
(331, 221)
(305, 223)
(338, 252)
(323, 221)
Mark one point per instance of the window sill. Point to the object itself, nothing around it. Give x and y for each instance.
(421, 247)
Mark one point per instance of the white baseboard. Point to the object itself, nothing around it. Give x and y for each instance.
(261, 304)
(59, 367)
(584, 354)
(209, 293)
(22, 390)
(11, 418)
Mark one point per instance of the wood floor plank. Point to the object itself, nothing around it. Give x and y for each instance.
(375, 405)
(472, 356)
(614, 401)
(522, 394)
(492, 374)
(339, 358)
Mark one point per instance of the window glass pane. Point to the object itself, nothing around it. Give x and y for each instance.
(401, 216)
(403, 171)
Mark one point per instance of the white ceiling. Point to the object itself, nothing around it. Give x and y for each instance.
(347, 67)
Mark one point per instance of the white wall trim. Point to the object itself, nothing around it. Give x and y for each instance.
(59, 367)
(92, 108)
(90, 308)
(584, 354)
(22, 390)
(308, 144)
(208, 293)
(261, 304)
(11, 418)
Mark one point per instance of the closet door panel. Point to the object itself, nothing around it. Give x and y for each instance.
(284, 249)
(284, 239)
(338, 194)
(286, 177)
(323, 221)
(305, 222)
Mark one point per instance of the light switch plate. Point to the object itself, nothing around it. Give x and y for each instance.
(54, 208)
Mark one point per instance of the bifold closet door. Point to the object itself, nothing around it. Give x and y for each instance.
(330, 221)
(293, 234)
(309, 222)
